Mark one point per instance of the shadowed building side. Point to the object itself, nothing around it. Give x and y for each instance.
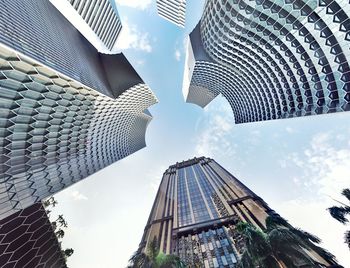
(28, 240)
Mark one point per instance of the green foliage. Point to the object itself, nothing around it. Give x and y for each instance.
(279, 243)
(154, 258)
(340, 213)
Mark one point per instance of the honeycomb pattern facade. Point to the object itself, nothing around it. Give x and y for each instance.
(55, 131)
(27, 240)
(282, 58)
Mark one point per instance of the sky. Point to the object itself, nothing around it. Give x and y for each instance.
(298, 166)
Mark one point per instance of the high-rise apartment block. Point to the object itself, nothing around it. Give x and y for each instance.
(173, 11)
(97, 20)
(28, 240)
(67, 110)
(195, 214)
(271, 59)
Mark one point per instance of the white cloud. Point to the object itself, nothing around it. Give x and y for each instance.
(140, 62)
(177, 54)
(325, 165)
(312, 216)
(325, 171)
(139, 4)
(290, 130)
(215, 138)
(132, 38)
(76, 195)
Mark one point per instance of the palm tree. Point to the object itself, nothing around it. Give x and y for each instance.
(340, 213)
(50, 202)
(62, 221)
(67, 253)
(279, 246)
(59, 233)
(153, 258)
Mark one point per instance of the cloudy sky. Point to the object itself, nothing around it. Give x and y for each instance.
(298, 166)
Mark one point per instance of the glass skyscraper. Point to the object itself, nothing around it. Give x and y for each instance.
(195, 214)
(66, 110)
(271, 59)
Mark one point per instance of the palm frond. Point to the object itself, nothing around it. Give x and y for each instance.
(138, 260)
(153, 249)
(275, 220)
(305, 235)
(167, 261)
(242, 226)
(346, 193)
(281, 236)
(246, 261)
(339, 213)
(324, 254)
(347, 238)
(269, 262)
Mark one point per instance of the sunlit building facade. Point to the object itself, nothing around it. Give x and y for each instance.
(271, 59)
(173, 11)
(195, 214)
(67, 111)
(97, 20)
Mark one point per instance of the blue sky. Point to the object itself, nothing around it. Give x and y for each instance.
(295, 165)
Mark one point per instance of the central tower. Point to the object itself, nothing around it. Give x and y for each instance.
(196, 211)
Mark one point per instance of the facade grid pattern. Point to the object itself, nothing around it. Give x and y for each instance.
(208, 204)
(102, 17)
(173, 11)
(278, 59)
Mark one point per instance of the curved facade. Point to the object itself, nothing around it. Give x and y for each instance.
(55, 131)
(280, 59)
(66, 110)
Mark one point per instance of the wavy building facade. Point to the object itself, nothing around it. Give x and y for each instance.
(271, 59)
(173, 11)
(67, 111)
(195, 214)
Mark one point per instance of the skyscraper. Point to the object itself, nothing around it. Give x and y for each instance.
(67, 111)
(173, 11)
(196, 211)
(271, 60)
(97, 20)
(28, 240)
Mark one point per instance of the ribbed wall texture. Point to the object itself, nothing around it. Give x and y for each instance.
(280, 59)
(37, 29)
(55, 131)
(102, 18)
(27, 240)
(196, 211)
(172, 10)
